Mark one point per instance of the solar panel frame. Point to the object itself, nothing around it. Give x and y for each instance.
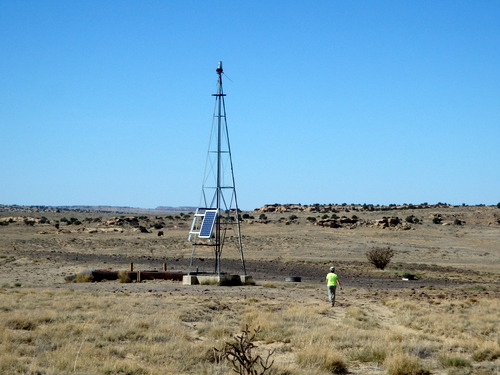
(207, 226)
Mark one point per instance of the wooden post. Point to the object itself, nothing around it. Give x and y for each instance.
(131, 267)
(164, 267)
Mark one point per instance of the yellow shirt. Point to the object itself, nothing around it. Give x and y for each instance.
(331, 279)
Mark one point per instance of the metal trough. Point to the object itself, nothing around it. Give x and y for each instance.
(100, 275)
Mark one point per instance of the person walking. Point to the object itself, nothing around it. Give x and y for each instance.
(332, 280)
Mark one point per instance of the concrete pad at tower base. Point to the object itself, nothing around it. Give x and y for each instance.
(207, 279)
(189, 280)
(247, 280)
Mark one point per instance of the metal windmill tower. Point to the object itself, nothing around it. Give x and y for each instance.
(217, 220)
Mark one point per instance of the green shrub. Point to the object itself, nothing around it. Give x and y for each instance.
(380, 257)
(446, 361)
(412, 219)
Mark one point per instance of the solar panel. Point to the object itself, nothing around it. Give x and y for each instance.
(207, 225)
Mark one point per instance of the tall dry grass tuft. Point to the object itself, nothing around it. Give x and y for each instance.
(84, 277)
(370, 352)
(489, 351)
(404, 364)
(323, 359)
(454, 361)
(124, 277)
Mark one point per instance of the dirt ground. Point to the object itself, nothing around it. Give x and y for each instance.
(41, 249)
(450, 261)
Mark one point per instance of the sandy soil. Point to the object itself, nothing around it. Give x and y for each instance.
(440, 255)
(452, 262)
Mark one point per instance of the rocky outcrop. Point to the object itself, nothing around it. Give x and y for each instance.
(281, 208)
(392, 223)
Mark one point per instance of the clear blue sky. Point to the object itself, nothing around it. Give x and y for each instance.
(110, 102)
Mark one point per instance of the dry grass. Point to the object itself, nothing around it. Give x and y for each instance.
(404, 364)
(466, 320)
(85, 333)
(77, 332)
(48, 327)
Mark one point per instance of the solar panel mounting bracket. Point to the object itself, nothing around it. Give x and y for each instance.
(203, 223)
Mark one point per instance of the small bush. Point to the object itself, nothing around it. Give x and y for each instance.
(380, 257)
(403, 364)
(454, 362)
(240, 352)
(370, 353)
(486, 353)
(84, 277)
(436, 220)
(323, 359)
(412, 219)
(124, 277)
(74, 221)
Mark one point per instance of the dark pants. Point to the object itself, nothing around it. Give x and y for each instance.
(331, 294)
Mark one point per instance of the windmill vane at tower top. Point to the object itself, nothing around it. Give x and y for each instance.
(219, 69)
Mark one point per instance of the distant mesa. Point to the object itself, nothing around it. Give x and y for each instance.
(175, 209)
(98, 209)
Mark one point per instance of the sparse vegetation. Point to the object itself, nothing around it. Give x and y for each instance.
(412, 219)
(443, 322)
(241, 352)
(124, 277)
(437, 220)
(405, 364)
(324, 359)
(83, 277)
(380, 257)
(454, 361)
